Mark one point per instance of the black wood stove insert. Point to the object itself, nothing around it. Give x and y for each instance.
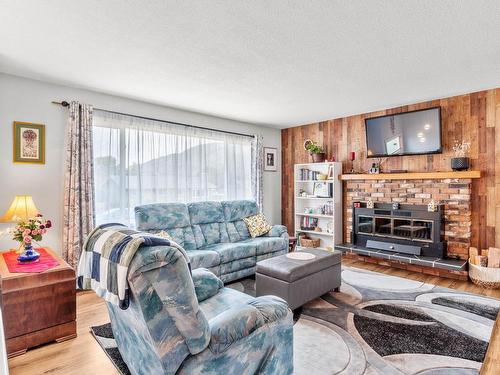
(405, 228)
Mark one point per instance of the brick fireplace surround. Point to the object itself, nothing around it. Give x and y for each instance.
(454, 194)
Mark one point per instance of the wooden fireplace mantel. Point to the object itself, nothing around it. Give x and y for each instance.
(411, 175)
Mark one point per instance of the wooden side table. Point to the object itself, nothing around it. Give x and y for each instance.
(38, 307)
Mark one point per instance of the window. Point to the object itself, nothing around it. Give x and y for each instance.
(139, 161)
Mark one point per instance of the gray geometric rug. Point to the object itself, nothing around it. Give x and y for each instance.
(379, 324)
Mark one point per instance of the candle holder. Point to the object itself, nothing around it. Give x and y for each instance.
(352, 157)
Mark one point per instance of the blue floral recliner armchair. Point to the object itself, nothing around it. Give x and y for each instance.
(178, 323)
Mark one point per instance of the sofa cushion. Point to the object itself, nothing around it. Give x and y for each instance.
(237, 231)
(266, 245)
(161, 216)
(183, 236)
(232, 251)
(206, 284)
(222, 301)
(203, 258)
(205, 212)
(237, 210)
(207, 220)
(237, 265)
(257, 225)
(209, 234)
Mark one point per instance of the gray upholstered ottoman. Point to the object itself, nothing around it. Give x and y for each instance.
(299, 281)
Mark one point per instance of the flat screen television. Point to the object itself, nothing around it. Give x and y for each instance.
(410, 133)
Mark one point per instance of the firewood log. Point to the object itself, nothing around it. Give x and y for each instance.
(493, 257)
(472, 254)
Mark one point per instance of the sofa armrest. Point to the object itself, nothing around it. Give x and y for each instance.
(238, 322)
(206, 284)
(278, 231)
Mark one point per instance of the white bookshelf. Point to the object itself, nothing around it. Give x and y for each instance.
(310, 209)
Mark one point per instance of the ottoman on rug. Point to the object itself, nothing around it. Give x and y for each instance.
(299, 281)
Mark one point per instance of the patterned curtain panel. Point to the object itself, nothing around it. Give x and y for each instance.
(78, 182)
(257, 169)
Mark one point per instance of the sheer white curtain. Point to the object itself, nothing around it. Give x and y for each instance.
(139, 161)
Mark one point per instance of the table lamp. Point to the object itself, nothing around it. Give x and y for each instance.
(22, 208)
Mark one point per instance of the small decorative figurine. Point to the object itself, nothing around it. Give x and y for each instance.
(395, 205)
(432, 206)
(369, 203)
(375, 169)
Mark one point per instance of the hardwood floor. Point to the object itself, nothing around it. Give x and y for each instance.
(84, 356)
(74, 357)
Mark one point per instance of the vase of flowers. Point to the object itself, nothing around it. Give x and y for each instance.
(461, 161)
(317, 153)
(28, 231)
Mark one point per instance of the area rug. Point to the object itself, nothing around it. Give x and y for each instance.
(379, 324)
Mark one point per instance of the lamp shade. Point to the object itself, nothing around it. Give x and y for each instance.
(22, 208)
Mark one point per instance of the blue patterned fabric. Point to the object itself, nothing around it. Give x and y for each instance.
(237, 265)
(183, 236)
(161, 216)
(206, 284)
(205, 228)
(203, 258)
(237, 210)
(265, 245)
(205, 212)
(232, 251)
(167, 331)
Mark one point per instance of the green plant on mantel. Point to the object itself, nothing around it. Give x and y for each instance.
(316, 151)
(312, 147)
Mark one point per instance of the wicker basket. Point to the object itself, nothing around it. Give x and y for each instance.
(487, 277)
(308, 242)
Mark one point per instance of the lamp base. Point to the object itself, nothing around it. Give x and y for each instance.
(29, 255)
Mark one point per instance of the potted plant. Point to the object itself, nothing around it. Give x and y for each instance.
(317, 153)
(461, 161)
(28, 231)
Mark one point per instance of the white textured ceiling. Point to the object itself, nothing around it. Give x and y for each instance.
(278, 63)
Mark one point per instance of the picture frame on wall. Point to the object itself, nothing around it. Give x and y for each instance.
(270, 159)
(29, 143)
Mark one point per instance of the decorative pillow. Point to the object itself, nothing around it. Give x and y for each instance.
(165, 235)
(257, 225)
(206, 284)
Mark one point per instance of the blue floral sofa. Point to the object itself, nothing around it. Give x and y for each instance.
(178, 323)
(214, 234)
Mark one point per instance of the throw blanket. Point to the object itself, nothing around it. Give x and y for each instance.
(106, 256)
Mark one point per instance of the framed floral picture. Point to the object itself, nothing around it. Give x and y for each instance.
(29, 143)
(270, 159)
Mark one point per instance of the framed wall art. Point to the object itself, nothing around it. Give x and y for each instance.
(270, 159)
(29, 143)
(322, 189)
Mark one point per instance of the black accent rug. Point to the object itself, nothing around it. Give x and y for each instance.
(104, 336)
(378, 323)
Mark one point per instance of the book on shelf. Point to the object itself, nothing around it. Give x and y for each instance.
(309, 223)
(307, 174)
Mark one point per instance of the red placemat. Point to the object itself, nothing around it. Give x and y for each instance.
(45, 262)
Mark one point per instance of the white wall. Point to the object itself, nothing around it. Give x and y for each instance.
(29, 100)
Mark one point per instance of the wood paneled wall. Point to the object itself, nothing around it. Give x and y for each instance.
(473, 117)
